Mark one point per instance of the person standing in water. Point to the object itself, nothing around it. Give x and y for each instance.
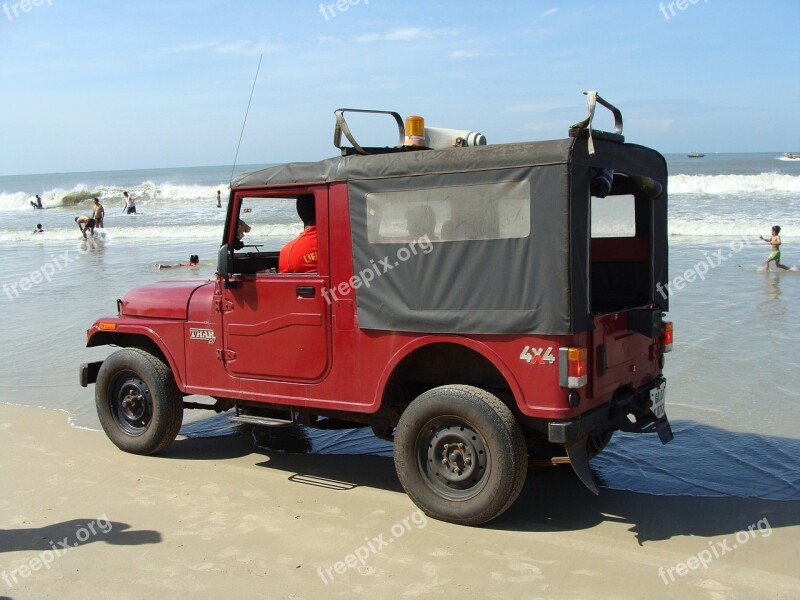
(39, 228)
(775, 241)
(219, 199)
(38, 203)
(98, 213)
(130, 204)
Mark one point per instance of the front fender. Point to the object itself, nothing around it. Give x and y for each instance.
(163, 337)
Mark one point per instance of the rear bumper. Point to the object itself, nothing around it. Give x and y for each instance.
(614, 416)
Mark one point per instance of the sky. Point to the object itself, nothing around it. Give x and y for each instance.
(89, 85)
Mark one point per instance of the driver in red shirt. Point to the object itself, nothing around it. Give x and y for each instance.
(300, 254)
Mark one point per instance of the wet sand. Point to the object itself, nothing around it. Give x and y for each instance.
(218, 516)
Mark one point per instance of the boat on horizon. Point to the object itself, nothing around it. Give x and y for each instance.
(695, 155)
(792, 155)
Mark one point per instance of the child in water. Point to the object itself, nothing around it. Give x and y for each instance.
(775, 241)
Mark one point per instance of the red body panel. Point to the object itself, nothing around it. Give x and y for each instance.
(167, 335)
(280, 339)
(164, 300)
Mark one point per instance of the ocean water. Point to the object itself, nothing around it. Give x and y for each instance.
(733, 384)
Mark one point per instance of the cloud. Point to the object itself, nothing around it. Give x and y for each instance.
(244, 47)
(548, 13)
(406, 34)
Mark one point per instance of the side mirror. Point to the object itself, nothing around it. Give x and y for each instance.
(224, 261)
(225, 267)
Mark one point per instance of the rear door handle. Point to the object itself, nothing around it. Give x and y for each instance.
(305, 291)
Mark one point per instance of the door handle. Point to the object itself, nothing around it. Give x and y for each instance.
(305, 291)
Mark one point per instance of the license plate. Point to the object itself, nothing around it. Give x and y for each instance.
(658, 397)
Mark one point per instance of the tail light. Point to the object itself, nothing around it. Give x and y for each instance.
(666, 336)
(573, 366)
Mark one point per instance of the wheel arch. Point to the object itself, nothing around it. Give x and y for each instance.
(150, 342)
(428, 363)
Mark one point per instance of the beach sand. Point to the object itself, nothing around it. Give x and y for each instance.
(217, 516)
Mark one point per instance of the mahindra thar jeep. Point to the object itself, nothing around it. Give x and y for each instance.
(483, 306)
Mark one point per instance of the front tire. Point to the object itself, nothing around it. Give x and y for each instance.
(460, 454)
(139, 405)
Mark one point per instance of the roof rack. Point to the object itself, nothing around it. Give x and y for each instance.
(343, 128)
(584, 128)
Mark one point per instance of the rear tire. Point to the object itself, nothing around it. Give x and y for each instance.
(139, 405)
(460, 454)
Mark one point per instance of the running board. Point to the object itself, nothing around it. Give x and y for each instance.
(580, 464)
(263, 421)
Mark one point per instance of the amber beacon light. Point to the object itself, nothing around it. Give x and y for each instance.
(415, 131)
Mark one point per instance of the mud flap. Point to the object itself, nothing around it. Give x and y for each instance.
(580, 464)
(664, 431)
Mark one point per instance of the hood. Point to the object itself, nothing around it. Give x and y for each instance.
(163, 300)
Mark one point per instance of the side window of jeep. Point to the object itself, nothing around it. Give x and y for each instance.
(450, 213)
(265, 226)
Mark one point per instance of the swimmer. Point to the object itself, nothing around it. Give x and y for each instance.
(193, 261)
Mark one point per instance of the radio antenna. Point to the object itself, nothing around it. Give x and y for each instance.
(239, 145)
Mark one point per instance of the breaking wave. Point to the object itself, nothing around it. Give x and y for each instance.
(733, 184)
(81, 195)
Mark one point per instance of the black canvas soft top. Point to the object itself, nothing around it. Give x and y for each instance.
(539, 283)
(405, 164)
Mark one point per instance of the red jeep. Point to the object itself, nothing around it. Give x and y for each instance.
(479, 305)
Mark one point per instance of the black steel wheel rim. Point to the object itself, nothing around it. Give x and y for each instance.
(131, 403)
(453, 458)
